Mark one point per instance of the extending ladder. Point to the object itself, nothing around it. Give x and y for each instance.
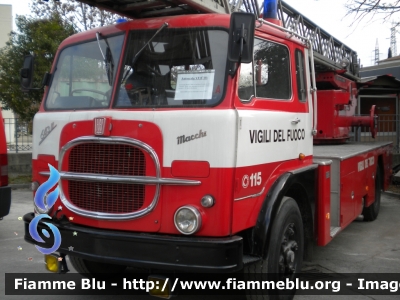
(329, 52)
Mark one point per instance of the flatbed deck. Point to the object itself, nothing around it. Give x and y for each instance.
(347, 150)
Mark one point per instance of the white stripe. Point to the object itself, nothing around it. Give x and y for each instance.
(218, 147)
(271, 149)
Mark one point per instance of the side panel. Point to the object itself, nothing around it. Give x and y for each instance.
(353, 172)
(269, 144)
(323, 203)
(349, 199)
(335, 193)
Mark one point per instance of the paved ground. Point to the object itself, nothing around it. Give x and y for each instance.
(361, 248)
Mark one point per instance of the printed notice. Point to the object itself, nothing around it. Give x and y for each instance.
(194, 85)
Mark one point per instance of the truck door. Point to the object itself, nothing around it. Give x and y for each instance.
(274, 120)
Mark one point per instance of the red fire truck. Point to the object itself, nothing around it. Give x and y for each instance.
(5, 189)
(184, 140)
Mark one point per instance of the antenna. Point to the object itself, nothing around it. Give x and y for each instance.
(376, 52)
(393, 44)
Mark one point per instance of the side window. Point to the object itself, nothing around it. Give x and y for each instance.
(246, 82)
(300, 76)
(272, 70)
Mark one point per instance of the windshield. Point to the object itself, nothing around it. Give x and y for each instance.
(81, 79)
(177, 68)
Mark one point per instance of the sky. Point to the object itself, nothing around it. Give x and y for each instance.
(330, 15)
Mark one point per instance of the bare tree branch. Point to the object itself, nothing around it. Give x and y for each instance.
(372, 8)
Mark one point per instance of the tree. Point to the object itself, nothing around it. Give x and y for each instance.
(78, 14)
(40, 37)
(51, 22)
(362, 8)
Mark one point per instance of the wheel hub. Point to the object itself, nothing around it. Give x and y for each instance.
(289, 246)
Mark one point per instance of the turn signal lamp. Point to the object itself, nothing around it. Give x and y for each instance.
(161, 287)
(207, 201)
(52, 263)
(302, 156)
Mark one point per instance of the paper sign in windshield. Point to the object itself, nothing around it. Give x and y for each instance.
(194, 85)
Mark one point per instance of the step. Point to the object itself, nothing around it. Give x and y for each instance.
(249, 259)
(334, 231)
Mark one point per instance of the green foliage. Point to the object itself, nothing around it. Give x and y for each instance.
(82, 16)
(40, 34)
(40, 37)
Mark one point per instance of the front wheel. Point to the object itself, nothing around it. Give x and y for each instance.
(84, 266)
(285, 249)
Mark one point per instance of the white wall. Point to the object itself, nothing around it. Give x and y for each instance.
(5, 28)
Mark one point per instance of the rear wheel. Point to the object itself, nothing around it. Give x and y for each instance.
(285, 249)
(371, 212)
(84, 266)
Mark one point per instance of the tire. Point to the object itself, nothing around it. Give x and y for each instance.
(371, 212)
(84, 266)
(285, 250)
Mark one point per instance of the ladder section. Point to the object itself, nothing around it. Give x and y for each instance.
(329, 52)
(154, 8)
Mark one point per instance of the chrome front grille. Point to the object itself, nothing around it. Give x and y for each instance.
(106, 177)
(108, 159)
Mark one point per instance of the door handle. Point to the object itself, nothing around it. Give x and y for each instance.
(296, 121)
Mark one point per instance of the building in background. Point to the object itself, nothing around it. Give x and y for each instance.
(6, 23)
(386, 97)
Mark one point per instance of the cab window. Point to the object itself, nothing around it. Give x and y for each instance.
(269, 75)
(300, 75)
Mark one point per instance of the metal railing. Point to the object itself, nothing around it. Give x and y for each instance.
(388, 131)
(18, 135)
(329, 52)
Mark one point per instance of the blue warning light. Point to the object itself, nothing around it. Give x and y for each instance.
(270, 9)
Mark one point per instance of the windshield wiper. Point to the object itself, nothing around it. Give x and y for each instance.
(108, 59)
(148, 42)
(141, 50)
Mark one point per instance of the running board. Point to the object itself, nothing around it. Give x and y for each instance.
(249, 259)
(334, 231)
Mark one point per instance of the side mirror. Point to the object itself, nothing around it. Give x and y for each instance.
(241, 37)
(46, 79)
(26, 73)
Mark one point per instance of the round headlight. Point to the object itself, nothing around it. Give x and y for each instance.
(187, 219)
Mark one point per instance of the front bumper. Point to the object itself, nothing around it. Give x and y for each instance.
(166, 252)
(5, 200)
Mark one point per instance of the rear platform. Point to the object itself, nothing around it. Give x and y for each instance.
(346, 183)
